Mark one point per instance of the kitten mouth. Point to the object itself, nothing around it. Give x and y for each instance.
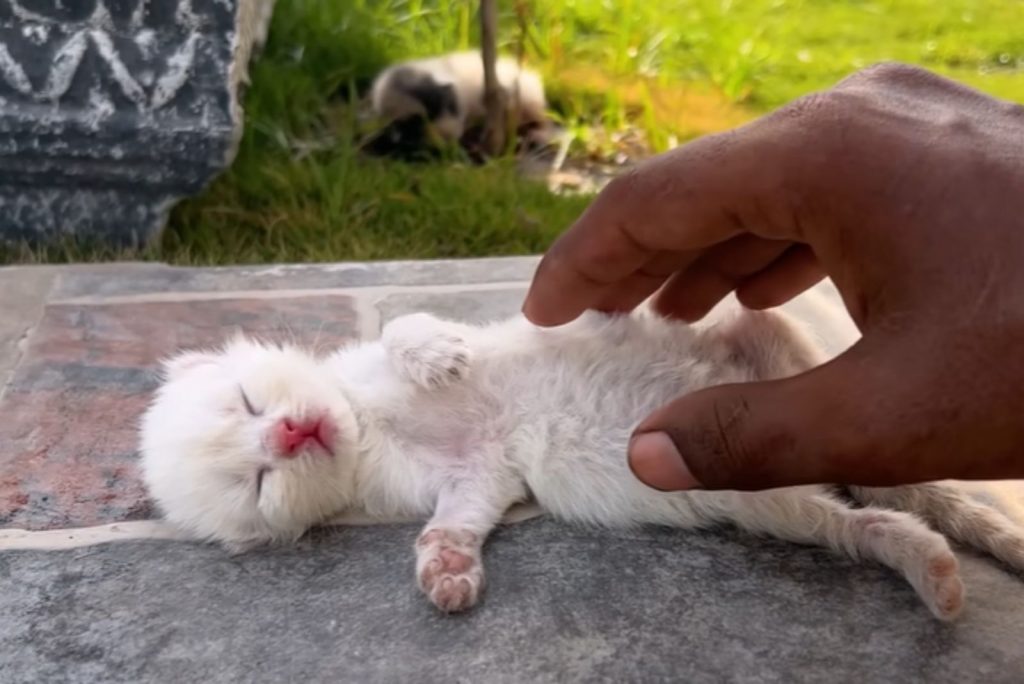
(325, 435)
(322, 445)
(319, 445)
(260, 474)
(293, 438)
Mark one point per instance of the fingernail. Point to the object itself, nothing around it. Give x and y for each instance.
(656, 462)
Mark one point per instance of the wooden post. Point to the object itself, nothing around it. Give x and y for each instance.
(494, 96)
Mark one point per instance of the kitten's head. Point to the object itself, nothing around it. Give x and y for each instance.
(249, 444)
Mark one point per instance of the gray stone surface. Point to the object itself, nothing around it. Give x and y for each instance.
(23, 292)
(482, 306)
(142, 279)
(112, 110)
(563, 604)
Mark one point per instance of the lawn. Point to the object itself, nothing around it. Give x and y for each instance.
(664, 72)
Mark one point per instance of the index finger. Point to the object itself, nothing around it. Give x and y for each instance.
(682, 201)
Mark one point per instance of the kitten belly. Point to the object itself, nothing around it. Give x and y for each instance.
(570, 446)
(595, 396)
(575, 409)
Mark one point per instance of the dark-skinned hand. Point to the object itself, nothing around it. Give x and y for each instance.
(906, 189)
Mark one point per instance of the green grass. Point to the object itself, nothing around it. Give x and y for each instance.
(668, 71)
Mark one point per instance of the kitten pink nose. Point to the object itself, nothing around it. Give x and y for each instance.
(291, 435)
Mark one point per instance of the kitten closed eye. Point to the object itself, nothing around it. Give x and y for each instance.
(248, 404)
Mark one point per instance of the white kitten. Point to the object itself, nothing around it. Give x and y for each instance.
(256, 444)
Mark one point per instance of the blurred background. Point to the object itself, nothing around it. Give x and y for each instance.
(626, 79)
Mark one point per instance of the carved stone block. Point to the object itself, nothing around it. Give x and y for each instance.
(113, 110)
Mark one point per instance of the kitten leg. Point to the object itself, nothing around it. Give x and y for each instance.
(898, 540)
(426, 350)
(955, 514)
(449, 566)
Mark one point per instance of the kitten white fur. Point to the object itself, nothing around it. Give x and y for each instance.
(457, 423)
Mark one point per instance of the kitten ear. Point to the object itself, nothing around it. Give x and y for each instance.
(176, 366)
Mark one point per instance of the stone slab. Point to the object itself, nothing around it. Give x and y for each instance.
(482, 306)
(23, 292)
(563, 605)
(68, 438)
(122, 280)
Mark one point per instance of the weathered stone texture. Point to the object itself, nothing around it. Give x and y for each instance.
(23, 293)
(141, 279)
(562, 605)
(111, 110)
(471, 306)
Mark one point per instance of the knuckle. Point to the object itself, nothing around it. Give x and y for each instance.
(623, 188)
(819, 121)
(658, 178)
(885, 74)
(1013, 110)
(818, 112)
(820, 126)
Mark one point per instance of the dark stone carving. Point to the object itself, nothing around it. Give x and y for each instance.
(113, 110)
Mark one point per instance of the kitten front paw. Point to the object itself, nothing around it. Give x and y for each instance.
(427, 351)
(437, 363)
(449, 569)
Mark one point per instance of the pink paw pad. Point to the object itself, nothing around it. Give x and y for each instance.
(449, 569)
(453, 594)
(446, 562)
(946, 587)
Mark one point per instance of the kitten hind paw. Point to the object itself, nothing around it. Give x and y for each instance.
(448, 569)
(943, 590)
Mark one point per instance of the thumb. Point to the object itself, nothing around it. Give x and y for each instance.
(753, 436)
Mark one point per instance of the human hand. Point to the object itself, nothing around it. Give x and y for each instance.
(906, 189)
